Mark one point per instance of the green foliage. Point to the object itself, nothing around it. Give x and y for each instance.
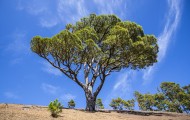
(98, 45)
(120, 104)
(105, 38)
(146, 101)
(99, 104)
(71, 104)
(171, 97)
(129, 104)
(55, 108)
(117, 104)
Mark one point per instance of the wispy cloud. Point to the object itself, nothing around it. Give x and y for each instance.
(34, 7)
(67, 97)
(58, 12)
(48, 23)
(11, 95)
(122, 88)
(51, 13)
(119, 7)
(50, 89)
(50, 69)
(123, 82)
(18, 45)
(70, 11)
(172, 22)
(170, 27)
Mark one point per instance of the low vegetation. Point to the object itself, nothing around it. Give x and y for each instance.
(120, 104)
(71, 104)
(99, 104)
(55, 108)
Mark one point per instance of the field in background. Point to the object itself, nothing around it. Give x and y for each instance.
(32, 112)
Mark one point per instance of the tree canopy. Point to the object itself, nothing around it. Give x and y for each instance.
(98, 45)
(120, 104)
(170, 97)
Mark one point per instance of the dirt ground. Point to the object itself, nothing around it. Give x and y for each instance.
(31, 112)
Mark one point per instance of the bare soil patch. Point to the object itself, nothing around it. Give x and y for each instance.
(32, 112)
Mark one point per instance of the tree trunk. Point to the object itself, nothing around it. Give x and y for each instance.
(90, 101)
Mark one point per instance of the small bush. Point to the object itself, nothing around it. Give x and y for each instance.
(55, 108)
(71, 104)
(99, 104)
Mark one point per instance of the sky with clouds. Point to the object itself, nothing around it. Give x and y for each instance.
(25, 78)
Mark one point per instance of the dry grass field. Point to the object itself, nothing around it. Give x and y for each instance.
(31, 112)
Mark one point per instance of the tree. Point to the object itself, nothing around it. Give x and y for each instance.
(117, 104)
(98, 46)
(55, 108)
(140, 99)
(172, 93)
(99, 104)
(120, 104)
(146, 101)
(71, 104)
(171, 97)
(160, 102)
(186, 98)
(129, 104)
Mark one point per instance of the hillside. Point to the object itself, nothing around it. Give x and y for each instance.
(33, 112)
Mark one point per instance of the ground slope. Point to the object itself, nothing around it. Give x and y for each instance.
(32, 112)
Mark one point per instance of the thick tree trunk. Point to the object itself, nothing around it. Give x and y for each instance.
(90, 105)
(90, 101)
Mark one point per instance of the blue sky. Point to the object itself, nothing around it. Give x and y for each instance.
(26, 78)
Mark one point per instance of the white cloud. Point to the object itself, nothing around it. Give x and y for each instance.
(118, 7)
(47, 67)
(48, 23)
(11, 95)
(54, 13)
(70, 11)
(34, 7)
(50, 89)
(170, 27)
(43, 9)
(172, 22)
(18, 45)
(67, 97)
(122, 87)
(123, 82)
(51, 13)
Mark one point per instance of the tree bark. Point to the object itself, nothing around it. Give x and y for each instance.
(90, 101)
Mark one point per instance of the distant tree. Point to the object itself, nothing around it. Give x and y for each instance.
(55, 108)
(140, 99)
(120, 104)
(98, 46)
(171, 97)
(99, 104)
(117, 104)
(160, 102)
(186, 99)
(145, 102)
(129, 104)
(172, 92)
(71, 104)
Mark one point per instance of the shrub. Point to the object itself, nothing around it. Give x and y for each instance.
(99, 104)
(55, 108)
(120, 104)
(71, 104)
(117, 104)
